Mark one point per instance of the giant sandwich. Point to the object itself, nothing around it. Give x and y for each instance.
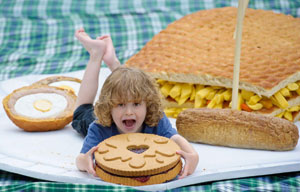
(192, 60)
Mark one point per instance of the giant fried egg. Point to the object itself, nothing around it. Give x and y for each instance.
(41, 105)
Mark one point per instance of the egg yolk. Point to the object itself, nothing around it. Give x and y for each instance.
(42, 105)
(67, 87)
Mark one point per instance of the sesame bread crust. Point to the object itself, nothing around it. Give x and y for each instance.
(199, 49)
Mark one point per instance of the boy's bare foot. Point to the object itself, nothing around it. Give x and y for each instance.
(96, 47)
(110, 57)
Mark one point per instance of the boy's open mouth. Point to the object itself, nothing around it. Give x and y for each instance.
(129, 122)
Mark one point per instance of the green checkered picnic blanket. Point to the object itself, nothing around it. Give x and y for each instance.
(281, 182)
(37, 37)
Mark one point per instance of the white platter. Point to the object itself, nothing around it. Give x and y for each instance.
(51, 155)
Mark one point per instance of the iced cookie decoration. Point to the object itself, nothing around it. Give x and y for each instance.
(40, 107)
(137, 159)
(70, 83)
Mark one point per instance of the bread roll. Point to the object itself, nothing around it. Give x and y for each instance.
(235, 128)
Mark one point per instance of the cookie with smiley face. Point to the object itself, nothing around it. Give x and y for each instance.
(40, 107)
(137, 159)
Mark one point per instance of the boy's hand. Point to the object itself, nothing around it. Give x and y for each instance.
(191, 161)
(85, 161)
(90, 163)
(189, 154)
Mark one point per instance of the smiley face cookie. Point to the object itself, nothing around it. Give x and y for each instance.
(40, 107)
(137, 159)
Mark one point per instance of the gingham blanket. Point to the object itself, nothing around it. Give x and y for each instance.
(37, 37)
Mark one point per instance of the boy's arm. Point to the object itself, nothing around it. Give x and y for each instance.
(110, 57)
(189, 154)
(89, 84)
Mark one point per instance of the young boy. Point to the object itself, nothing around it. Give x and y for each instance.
(129, 102)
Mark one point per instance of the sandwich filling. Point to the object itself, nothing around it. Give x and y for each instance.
(197, 96)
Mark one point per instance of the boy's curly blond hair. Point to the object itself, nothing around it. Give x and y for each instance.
(125, 85)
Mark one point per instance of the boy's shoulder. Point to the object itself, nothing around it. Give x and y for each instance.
(164, 120)
(95, 125)
(104, 131)
(164, 128)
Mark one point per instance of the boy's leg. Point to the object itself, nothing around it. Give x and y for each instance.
(110, 57)
(82, 118)
(95, 47)
(89, 84)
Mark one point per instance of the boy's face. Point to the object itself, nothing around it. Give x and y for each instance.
(129, 117)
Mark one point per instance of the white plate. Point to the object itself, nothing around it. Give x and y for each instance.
(51, 155)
